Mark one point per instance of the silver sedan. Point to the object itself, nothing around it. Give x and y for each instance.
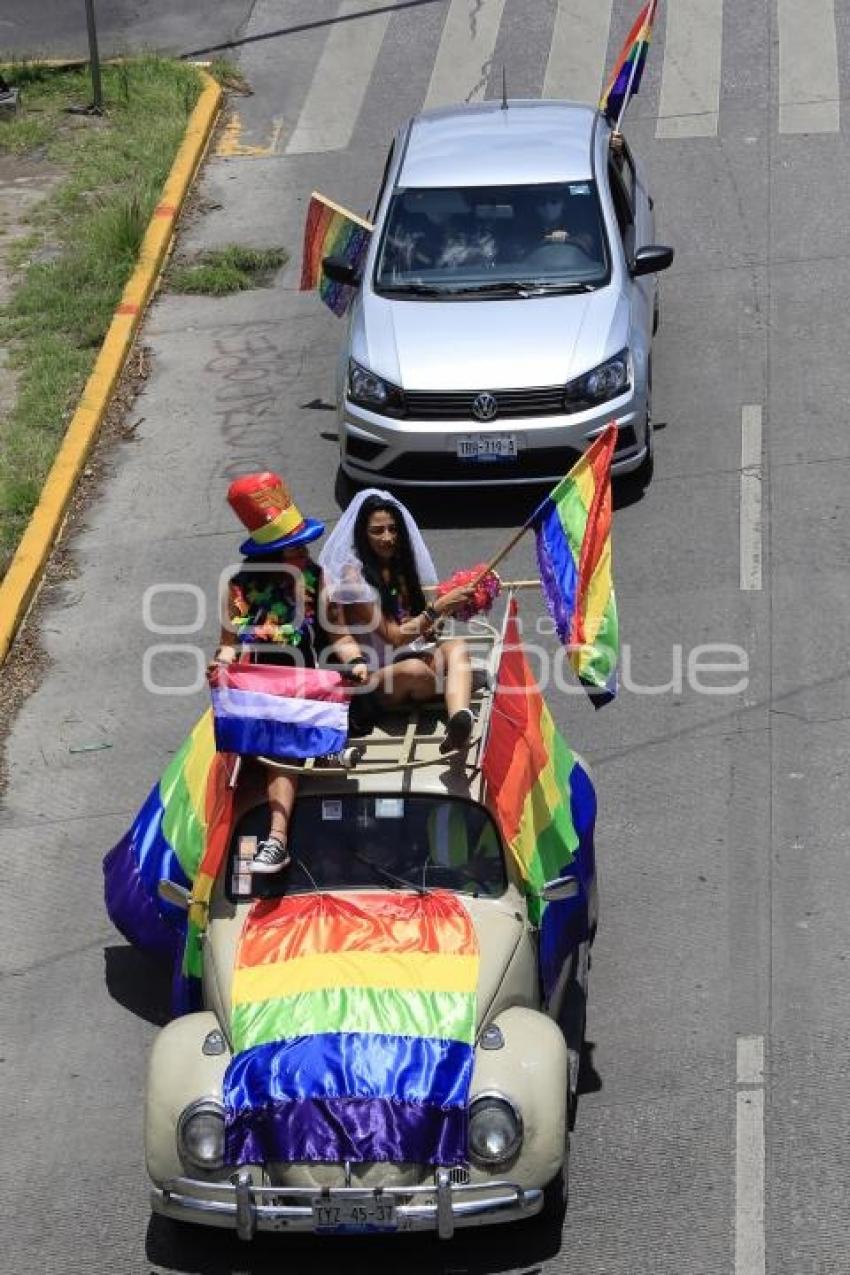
(507, 304)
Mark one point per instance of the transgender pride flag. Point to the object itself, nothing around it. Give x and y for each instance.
(267, 710)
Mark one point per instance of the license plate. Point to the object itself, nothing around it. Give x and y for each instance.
(349, 1215)
(486, 447)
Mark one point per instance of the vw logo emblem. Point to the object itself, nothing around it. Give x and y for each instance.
(485, 407)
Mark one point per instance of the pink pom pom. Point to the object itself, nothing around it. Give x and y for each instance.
(487, 590)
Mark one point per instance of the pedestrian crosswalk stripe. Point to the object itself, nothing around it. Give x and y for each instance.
(808, 67)
(690, 76)
(464, 58)
(340, 80)
(579, 49)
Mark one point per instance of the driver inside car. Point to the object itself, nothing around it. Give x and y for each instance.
(553, 223)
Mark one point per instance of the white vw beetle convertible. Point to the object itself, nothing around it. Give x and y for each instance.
(405, 831)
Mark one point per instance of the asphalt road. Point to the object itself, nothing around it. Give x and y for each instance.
(723, 839)
(58, 28)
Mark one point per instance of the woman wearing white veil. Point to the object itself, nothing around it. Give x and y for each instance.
(375, 565)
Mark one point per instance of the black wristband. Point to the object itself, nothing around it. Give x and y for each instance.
(358, 659)
(431, 613)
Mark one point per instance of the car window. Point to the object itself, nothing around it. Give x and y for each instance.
(627, 172)
(458, 241)
(377, 842)
(623, 209)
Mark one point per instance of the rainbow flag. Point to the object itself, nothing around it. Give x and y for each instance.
(182, 826)
(573, 530)
(353, 1020)
(331, 231)
(541, 796)
(628, 69)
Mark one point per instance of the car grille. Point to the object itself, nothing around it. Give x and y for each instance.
(547, 400)
(544, 462)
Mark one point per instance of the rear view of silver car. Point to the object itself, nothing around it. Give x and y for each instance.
(507, 304)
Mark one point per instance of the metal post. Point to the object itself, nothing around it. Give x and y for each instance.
(94, 59)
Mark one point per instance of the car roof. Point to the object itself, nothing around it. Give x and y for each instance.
(486, 145)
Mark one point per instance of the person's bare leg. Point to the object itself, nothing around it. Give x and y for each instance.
(454, 667)
(406, 681)
(281, 791)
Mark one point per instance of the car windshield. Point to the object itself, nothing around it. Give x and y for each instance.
(486, 240)
(378, 842)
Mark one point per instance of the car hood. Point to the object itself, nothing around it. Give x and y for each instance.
(497, 925)
(488, 345)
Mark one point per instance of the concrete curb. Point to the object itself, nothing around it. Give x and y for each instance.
(19, 585)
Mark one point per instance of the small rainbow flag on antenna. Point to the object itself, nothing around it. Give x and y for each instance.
(628, 70)
(332, 231)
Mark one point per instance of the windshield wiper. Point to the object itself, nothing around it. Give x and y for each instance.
(419, 289)
(389, 876)
(526, 288)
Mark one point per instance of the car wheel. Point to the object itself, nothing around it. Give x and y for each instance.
(646, 468)
(345, 488)
(656, 312)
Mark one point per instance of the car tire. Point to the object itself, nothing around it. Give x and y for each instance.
(643, 474)
(345, 488)
(656, 313)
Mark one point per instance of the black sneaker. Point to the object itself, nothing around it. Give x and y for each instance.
(272, 856)
(458, 730)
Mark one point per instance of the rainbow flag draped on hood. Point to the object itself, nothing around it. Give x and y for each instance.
(628, 69)
(573, 530)
(352, 1021)
(179, 835)
(541, 795)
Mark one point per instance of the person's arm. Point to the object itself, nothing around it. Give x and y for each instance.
(344, 644)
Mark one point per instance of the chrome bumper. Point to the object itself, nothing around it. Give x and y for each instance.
(442, 1207)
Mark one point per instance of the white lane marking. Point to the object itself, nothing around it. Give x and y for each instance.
(577, 54)
(808, 67)
(751, 498)
(340, 81)
(749, 1159)
(463, 62)
(690, 76)
(750, 1068)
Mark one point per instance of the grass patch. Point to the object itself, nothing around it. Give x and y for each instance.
(84, 243)
(230, 269)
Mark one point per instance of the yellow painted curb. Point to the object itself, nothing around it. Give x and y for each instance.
(25, 570)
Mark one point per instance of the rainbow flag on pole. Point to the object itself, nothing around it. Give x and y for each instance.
(541, 795)
(628, 69)
(353, 1020)
(573, 530)
(181, 828)
(332, 231)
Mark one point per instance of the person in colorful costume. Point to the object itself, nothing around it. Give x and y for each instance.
(376, 564)
(273, 610)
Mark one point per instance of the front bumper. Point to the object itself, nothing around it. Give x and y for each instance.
(441, 1207)
(411, 453)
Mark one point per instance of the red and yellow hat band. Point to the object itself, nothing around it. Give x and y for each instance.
(287, 522)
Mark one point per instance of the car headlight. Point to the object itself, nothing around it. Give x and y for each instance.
(200, 1134)
(609, 380)
(372, 391)
(495, 1130)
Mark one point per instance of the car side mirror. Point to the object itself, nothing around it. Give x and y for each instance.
(338, 270)
(651, 260)
(559, 890)
(171, 892)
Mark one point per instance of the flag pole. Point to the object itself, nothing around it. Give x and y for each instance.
(628, 97)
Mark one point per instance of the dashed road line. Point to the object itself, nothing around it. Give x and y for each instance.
(340, 81)
(749, 1157)
(464, 58)
(690, 76)
(808, 67)
(579, 49)
(751, 498)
